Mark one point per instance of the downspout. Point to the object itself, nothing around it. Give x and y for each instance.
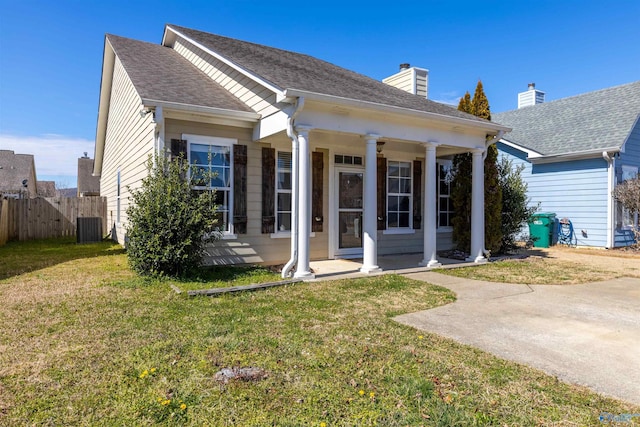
(158, 131)
(498, 137)
(288, 267)
(610, 182)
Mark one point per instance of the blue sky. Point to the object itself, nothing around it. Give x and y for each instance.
(51, 52)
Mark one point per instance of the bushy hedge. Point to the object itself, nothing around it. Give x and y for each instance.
(169, 224)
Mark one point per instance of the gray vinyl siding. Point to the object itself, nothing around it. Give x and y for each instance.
(576, 190)
(255, 96)
(252, 247)
(128, 144)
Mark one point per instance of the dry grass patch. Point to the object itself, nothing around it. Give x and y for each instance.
(537, 270)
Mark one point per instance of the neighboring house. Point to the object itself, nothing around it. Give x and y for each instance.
(47, 189)
(88, 184)
(313, 161)
(575, 151)
(17, 175)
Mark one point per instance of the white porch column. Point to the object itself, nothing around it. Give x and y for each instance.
(370, 211)
(477, 208)
(303, 270)
(429, 225)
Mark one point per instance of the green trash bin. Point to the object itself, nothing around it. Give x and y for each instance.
(541, 227)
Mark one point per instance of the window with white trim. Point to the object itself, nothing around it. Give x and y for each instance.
(211, 168)
(445, 202)
(626, 219)
(399, 195)
(283, 191)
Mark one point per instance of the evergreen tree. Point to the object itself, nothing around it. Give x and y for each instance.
(492, 189)
(169, 223)
(461, 190)
(462, 185)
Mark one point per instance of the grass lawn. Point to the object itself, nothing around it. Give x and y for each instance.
(86, 342)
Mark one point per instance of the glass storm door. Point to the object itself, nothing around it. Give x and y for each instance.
(350, 192)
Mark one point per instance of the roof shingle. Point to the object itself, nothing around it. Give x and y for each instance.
(291, 70)
(592, 121)
(159, 73)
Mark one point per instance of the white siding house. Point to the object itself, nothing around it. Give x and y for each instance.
(314, 161)
(575, 151)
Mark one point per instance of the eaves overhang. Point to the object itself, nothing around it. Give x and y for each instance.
(201, 109)
(490, 127)
(103, 105)
(536, 157)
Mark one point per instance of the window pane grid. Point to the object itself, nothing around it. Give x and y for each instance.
(399, 194)
(210, 169)
(283, 191)
(445, 203)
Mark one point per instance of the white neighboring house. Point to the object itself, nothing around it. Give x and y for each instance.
(314, 161)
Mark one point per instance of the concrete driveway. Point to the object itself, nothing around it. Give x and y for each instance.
(583, 334)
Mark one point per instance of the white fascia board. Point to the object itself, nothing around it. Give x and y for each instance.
(492, 128)
(106, 81)
(530, 153)
(256, 78)
(270, 125)
(565, 157)
(213, 111)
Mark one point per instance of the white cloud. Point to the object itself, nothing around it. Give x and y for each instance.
(451, 98)
(54, 154)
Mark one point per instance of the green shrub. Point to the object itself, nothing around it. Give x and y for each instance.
(169, 223)
(515, 203)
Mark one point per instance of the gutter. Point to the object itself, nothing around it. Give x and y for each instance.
(611, 162)
(214, 111)
(295, 148)
(564, 157)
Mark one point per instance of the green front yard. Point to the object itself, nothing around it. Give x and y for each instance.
(86, 342)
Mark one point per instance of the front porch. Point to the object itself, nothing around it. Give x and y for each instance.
(333, 269)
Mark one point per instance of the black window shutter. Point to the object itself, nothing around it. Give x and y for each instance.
(317, 170)
(240, 189)
(178, 148)
(417, 194)
(382, 192)
(268, 189)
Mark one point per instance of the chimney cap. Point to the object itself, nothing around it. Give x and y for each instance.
(532, 86)
(405, 66)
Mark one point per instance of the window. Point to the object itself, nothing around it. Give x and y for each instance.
(341, 159)
(625, 218)
(210, 167)
(399, 195)
(283, 191)
(118, 197)
(445, 203)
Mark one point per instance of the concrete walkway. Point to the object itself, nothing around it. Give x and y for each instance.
(583, 334)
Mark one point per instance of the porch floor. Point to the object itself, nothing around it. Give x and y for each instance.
(332, 269)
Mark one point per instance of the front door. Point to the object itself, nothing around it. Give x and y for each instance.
(350, 184)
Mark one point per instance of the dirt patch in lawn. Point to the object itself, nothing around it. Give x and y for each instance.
(626, 263)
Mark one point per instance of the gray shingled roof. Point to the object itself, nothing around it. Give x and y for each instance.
(161, 74)
(592, 121)
(290, 70)
(14, 168)
(87, 183)
(46, 188)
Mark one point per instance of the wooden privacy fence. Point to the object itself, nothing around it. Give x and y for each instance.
(43, 218)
